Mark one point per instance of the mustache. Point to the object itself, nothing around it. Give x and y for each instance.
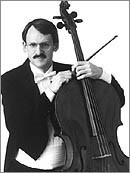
(40, 55)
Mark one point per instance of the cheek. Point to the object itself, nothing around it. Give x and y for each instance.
(50, 56)
(50, 53)
(31, 53)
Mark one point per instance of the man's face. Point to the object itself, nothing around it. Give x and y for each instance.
(40, 48)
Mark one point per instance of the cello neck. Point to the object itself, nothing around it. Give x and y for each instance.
(77, 46)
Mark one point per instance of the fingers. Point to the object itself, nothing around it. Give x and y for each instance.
(84, 76)
(63, 76)
(59, 79)
(82, 69)
(81, 65)
(85, 69)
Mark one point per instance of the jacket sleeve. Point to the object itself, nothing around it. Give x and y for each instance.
(27, 123)
(119, 90)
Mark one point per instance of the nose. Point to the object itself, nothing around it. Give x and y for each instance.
(38, 49)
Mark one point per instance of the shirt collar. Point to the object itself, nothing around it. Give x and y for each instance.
(36, 71)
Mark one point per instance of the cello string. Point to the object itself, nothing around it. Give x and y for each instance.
(96, 107)
(102, 144)
(94, 123)
(104, 162)
(79, 57)
(77, 45)
(97, 124)
(98, 117)
(79, 53)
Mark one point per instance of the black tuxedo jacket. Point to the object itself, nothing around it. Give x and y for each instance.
(26, 111)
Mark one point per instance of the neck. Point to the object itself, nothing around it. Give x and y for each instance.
(45, 69)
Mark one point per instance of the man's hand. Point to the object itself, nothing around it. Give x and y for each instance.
(86, 69)
(59, 79)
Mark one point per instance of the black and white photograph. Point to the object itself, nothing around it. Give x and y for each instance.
(64, 86)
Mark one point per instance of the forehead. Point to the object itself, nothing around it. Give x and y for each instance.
(33, 35)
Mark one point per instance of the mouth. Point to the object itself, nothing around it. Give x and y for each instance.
(41, 56)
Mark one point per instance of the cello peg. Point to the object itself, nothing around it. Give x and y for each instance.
(57, 17)
(60, 25)
(73, 14)
(78, 20)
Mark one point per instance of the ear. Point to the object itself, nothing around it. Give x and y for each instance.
(55, 47)
(24, 47)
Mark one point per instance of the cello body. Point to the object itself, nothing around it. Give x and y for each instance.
(88, 112)
(73, 117)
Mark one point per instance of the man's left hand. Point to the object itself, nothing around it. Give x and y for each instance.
(85, 69)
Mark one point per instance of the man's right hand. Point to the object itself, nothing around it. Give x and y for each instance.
(59, 79)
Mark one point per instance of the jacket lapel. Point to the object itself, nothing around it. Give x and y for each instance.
(27, 80)
(61, 67)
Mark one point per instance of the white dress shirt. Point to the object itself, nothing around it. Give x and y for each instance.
(106, 77)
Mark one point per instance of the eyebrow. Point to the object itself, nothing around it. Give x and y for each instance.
(38, 43)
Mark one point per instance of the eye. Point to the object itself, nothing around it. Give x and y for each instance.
(33, 45)
(44, 45)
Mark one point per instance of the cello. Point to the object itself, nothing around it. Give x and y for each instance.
(88, 119)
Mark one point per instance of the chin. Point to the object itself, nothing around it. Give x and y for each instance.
(39, 63)
(42, 65)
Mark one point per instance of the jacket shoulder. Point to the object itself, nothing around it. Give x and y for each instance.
(16, 73)
(11, 74)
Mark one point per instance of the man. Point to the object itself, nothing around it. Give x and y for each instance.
(28, 94)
